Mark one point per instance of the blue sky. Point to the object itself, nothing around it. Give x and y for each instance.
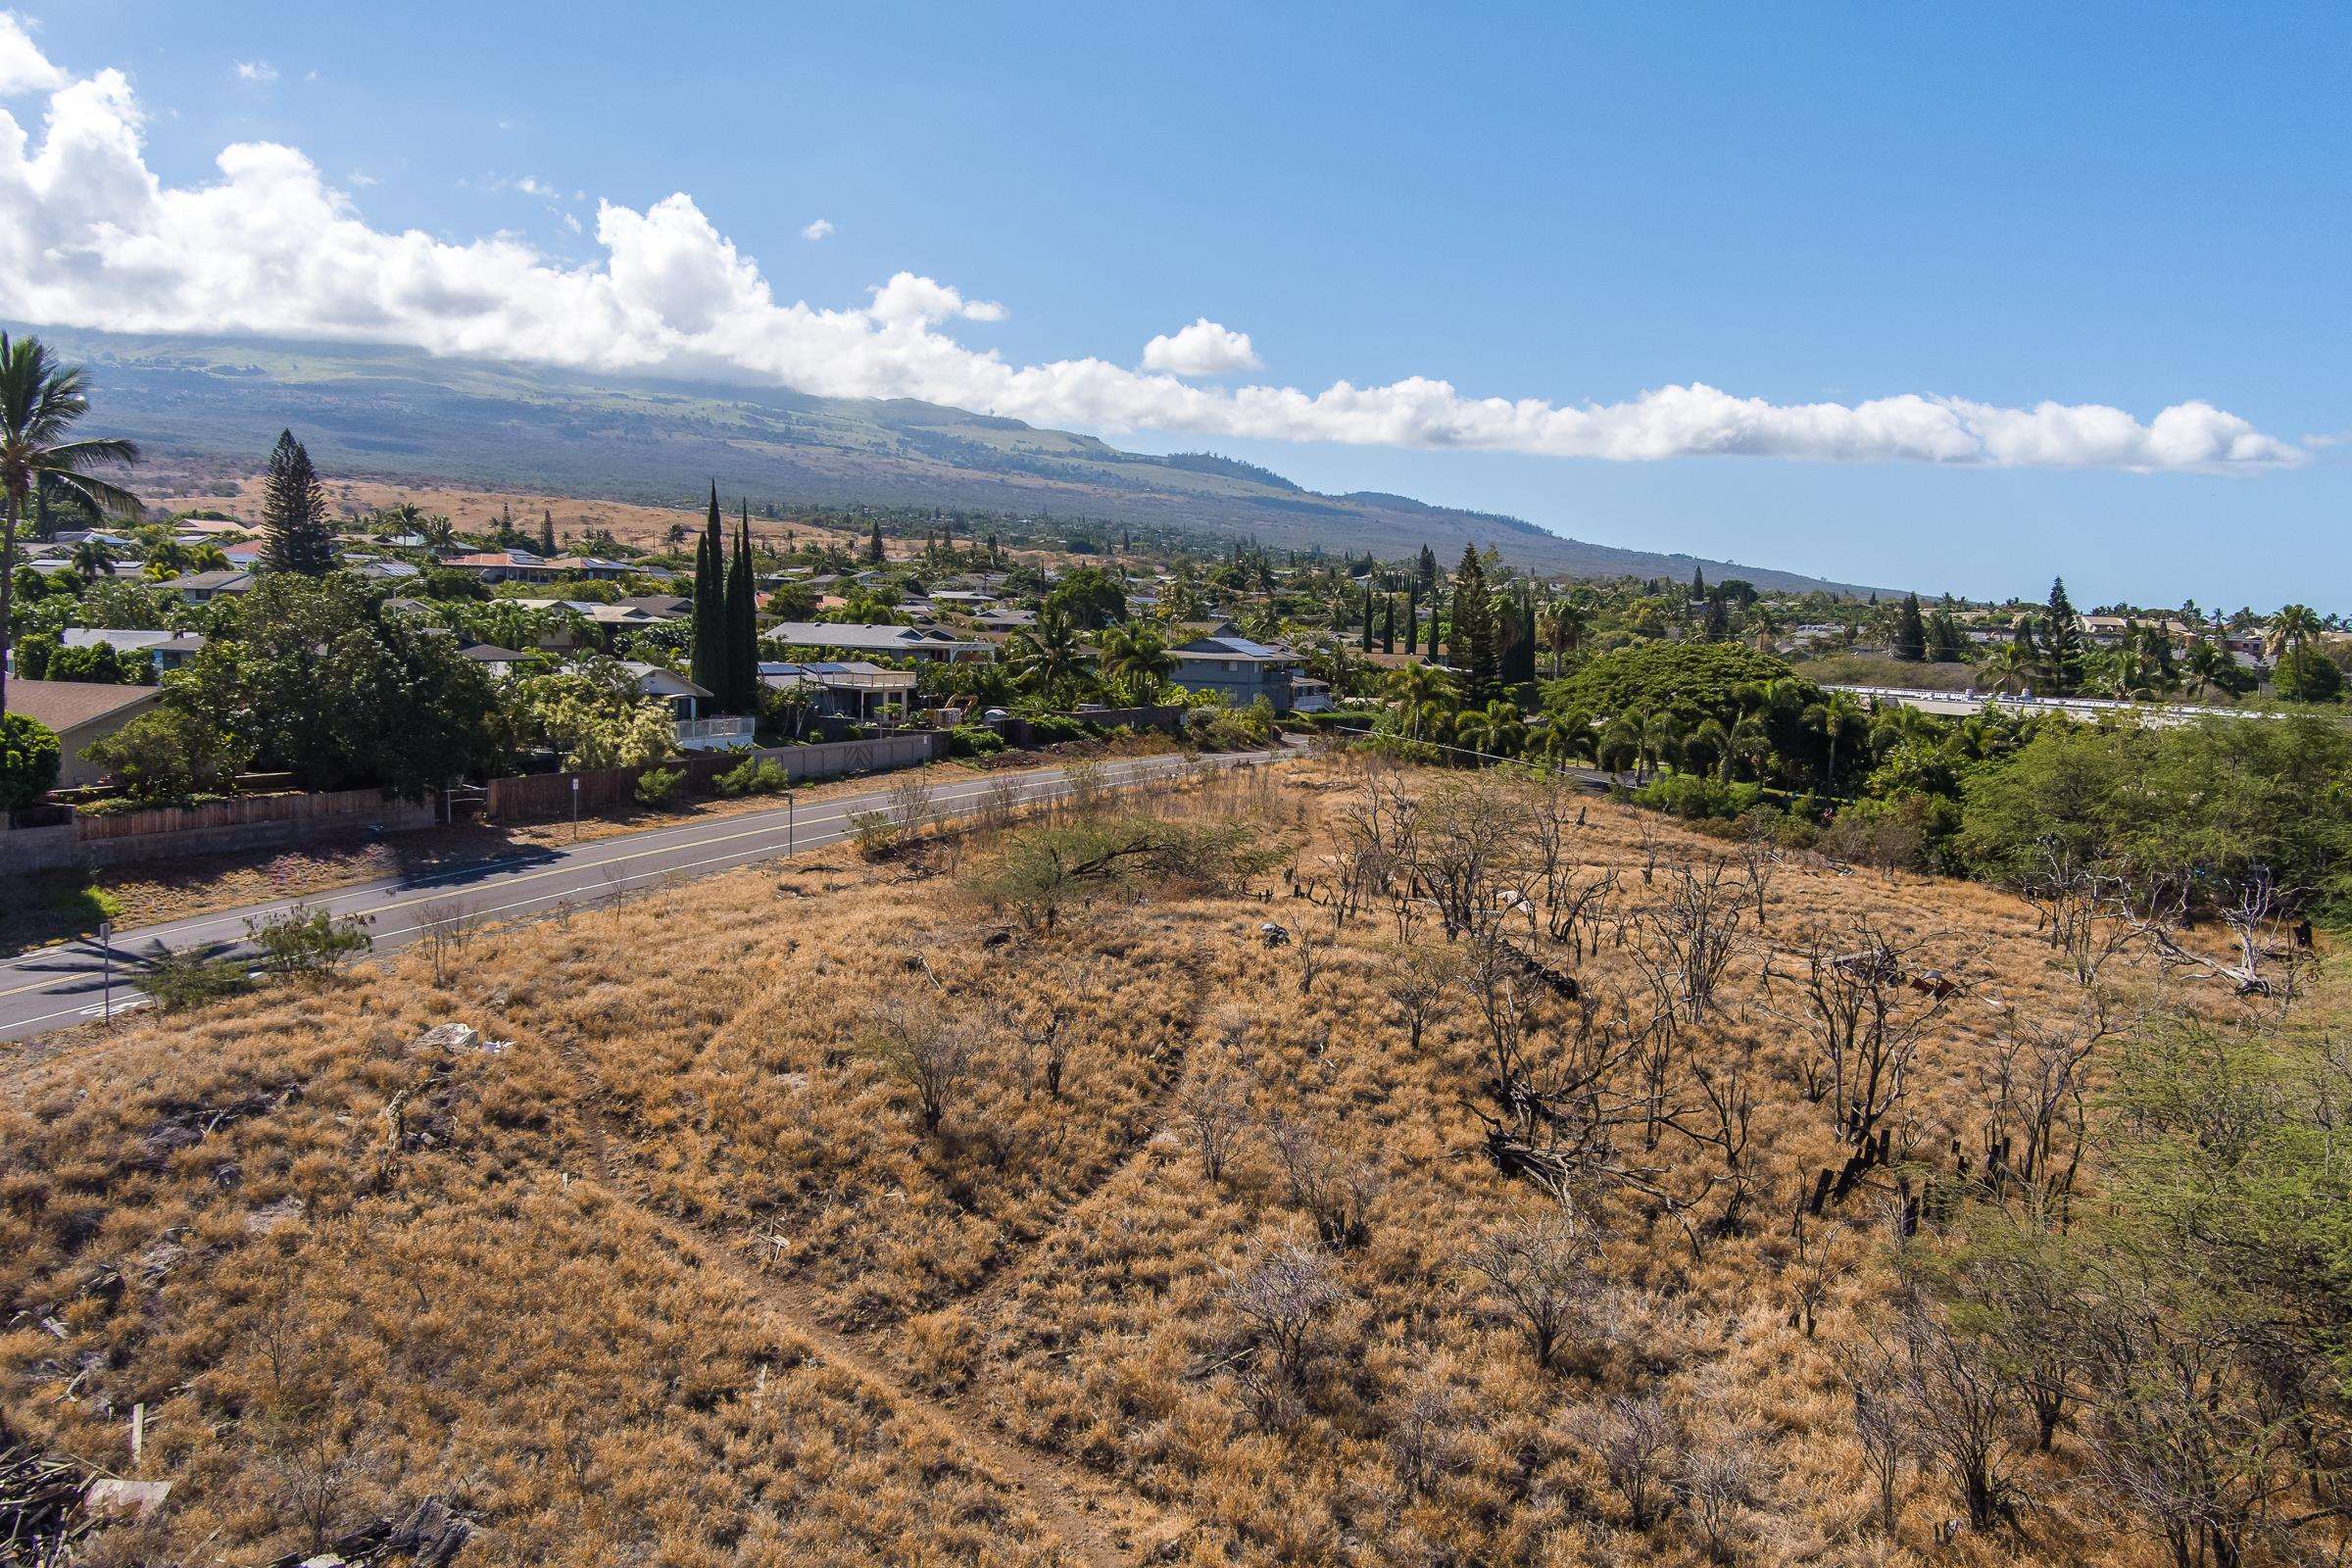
(2093, 204)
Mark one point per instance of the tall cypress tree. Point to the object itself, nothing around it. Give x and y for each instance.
(2061, 652)
(1367, 614)
(874, 552)
(709, 604)
(1387, 623)
(742, 626)
(1412, 615)
(1427, 567)
(296, 534)
(546, 533)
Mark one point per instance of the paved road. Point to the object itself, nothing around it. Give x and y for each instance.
(58, 988)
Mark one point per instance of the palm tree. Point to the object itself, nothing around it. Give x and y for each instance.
(91, 559)
(40, 402)
(2290, 628)
(1496, 729)
(2205, 662)
(1423, 693)
(166, 558)
(1561, 735)
(1751, 743)
(1619, 743)
(1661, 738)
(1050, 654)
(206, 558)
(1560, 629)
(2006, 667)
(1840, 721)
(1712, 742)
(1136, 656)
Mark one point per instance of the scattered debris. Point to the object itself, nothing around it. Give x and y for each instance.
(448, 1037)
(427, 1535)
(135, 1499)
(271, 1218)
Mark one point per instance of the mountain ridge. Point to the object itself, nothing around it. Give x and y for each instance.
(396, 414)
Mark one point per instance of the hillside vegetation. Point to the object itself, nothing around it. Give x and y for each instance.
(1343, 1164)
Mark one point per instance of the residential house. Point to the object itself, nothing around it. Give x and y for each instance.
(203, 587)
(504, 565)
(82, 713)
(688, 706)
(499, 662)
(165, 650)
(855, 689)
(927, 643)
(1238, 670)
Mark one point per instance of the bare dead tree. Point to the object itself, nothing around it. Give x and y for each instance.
(1694, 930)
(2253, 908)
(1759, 860)
(1955, 1403)
(1863, 1004)
(1641, 1449)
(2087, 914)
(2033, 1080)
(1213, 1105)
(1281, 1299)
(448, 928)
(933, 1053)
(1873, 1384)
(1538, 1270)
(1420, 979)
(1718, 1483)
(1336, 1187)
(1422, 1419)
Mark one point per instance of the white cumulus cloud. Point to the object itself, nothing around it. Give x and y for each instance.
(255, 70)
(819, 228)
(1203, 347)
(91, 238)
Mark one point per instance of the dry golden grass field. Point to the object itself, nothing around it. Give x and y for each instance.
(473, 511)
(848, 1213)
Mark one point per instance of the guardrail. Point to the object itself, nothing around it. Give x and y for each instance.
(2026, 699)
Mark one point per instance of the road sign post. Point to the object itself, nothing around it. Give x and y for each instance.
(575, 808)
(106, 961)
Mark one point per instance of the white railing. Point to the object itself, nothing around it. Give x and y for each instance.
(736, 730)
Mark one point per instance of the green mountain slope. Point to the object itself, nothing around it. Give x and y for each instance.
(400, 413)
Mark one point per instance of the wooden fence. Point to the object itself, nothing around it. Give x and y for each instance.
(238, 810)
(541, 797)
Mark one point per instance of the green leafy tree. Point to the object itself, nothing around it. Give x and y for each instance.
(40, 402)
(296, 536)
(1089, 597)
(168, 756)
(2304, 675)
(318, 682)
(29, 757)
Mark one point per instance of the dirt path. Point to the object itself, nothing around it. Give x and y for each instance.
(1102, 1524)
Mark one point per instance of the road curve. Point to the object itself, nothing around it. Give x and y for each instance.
(61, 987)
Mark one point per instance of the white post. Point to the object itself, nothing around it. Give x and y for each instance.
(789, 823)
(138, 1434)
(106, 960)
(575, 808)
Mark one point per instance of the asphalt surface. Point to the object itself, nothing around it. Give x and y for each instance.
(61, 987)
